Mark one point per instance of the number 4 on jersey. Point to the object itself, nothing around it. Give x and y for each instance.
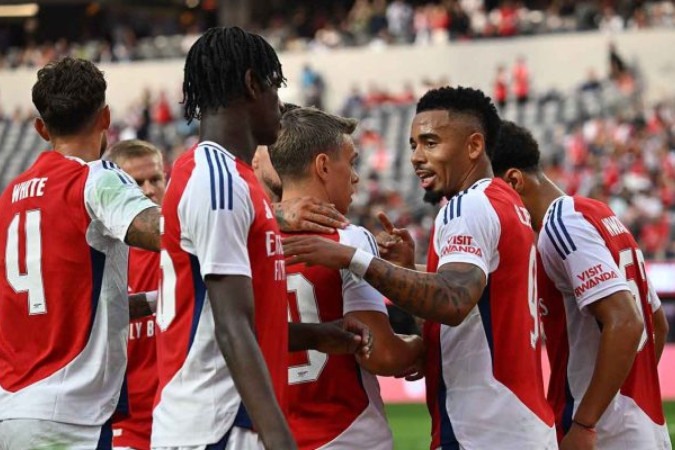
(31, 281)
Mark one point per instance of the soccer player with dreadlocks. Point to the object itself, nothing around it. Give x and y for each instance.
(223, 369)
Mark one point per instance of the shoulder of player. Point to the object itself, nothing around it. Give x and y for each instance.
(106, 172)
(358, 236)
(216, 176)
(563, 227)
(471, 203)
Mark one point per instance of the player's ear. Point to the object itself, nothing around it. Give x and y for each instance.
(41, 128)
(321, 166)
(104, 118)
(251, 84)
(476, 146)
(516, 179)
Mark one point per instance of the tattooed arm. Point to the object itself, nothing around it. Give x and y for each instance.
(144, 230)
(446, 297)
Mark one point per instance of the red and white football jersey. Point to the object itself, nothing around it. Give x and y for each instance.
(142, 379)
(588, 254)
(64, 313)
(333, 402)
(484, 378)
(217, 220)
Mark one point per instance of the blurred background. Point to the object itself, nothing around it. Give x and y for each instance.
(593, 80)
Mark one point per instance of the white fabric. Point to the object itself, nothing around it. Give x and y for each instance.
(653, 298)
(86, 391)
(240, 439)
(35, 434)
(113, 198)
(468, 231)
(357, 294)
(588, 272)
(370, 430)
(202, 227)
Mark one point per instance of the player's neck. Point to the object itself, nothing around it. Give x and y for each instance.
(85, 147)
(482, 169)
(231, 131)
(548, 192)
(306, 188)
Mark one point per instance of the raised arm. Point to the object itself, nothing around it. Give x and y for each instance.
(144, 230)
(308, 214)
(446, 297)
(231, 298)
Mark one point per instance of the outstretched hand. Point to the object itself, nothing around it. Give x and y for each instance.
(395, 245)
(308, 214)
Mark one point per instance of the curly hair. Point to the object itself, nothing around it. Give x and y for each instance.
(67, 95)
(466, 101)
(516, 148)
(216, 64)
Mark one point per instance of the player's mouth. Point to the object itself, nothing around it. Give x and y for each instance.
(427, 178)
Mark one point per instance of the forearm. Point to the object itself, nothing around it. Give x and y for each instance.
(430, 296)
(251, 378)
(302, 336)
(394, 356)
(616, 354)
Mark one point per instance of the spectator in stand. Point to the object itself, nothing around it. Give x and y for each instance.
(501, 84)
(400, 20)
(521, 86)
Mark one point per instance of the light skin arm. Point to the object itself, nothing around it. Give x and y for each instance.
(621, 329)
(233, 318)
(392, 353)
(660, 332)
(446, 297)
(308, 214)
(144, 230)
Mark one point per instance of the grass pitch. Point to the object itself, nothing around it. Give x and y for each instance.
(411, 424)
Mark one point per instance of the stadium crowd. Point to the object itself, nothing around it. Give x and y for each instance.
(348, 23)
(269, 326)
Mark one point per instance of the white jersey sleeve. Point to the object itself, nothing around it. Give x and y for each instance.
(216, 232)
(468, 231)
(653, 297)
(576, 257)
(113, 198)
(357, 294)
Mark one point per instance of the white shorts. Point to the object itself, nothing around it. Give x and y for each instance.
(35, 434)
(236, 439)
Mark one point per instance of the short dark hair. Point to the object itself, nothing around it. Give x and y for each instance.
(516, 148)
(466, 101)
(67, 95)
(216, 65)
(131, 148)
(305, 133)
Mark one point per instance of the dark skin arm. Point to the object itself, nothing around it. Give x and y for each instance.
(308, 214)
(621, 330)
(344, 336)
(446, 297)
(233, 318)
(660, 332)
(144, 230)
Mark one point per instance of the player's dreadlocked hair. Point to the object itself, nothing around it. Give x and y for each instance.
(468, 101)
(216, 64)
(516, 148)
